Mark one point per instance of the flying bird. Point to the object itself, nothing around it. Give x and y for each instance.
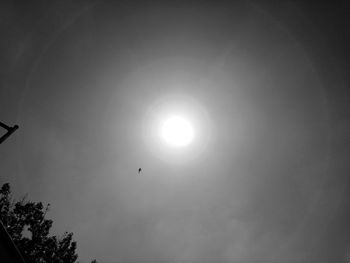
(140, 170)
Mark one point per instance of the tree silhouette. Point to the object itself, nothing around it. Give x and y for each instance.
(26, 224)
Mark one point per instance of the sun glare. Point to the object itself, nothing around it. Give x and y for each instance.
(176, 131)
(176, 128)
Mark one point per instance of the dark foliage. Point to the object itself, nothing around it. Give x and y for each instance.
(26, 224)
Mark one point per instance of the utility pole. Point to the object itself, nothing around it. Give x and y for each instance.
(9, 253)
(9, 129)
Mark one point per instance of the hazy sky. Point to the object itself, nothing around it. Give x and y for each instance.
(266, 179)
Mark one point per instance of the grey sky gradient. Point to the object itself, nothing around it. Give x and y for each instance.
(271, 183)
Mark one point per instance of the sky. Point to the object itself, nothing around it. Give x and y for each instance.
(266, 86)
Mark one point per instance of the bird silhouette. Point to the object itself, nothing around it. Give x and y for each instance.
(140, 170)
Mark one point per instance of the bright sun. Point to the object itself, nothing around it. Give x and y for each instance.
(177, 131)
(176, 128)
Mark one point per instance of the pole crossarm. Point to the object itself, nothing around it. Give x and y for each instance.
(9, 129)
